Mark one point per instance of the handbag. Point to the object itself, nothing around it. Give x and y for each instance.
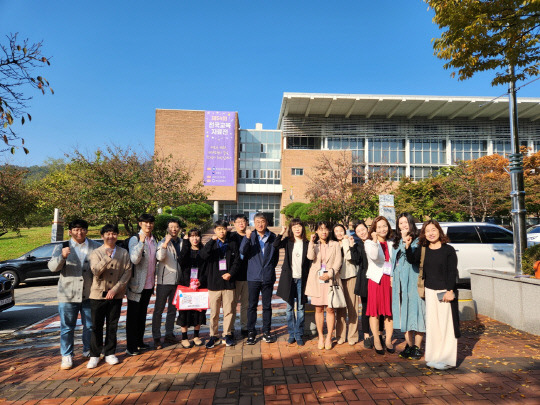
(336, 298)
(421, 287)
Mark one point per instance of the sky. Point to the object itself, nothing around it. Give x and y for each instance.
(113, 63)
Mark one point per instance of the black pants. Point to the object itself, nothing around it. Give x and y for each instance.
(108, 312)
(164, 295)
(255, 288)
(136, 320)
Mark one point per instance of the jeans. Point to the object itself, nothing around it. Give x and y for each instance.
(105, 312)
(164, 295)
(295, 324)
(69, 311)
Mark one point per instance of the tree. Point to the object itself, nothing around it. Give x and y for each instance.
(196, 213)
(16, 199)
(341, 190)
(117, 185)
(482, 35)
(18, 61)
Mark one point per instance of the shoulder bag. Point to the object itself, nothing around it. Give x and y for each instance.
(421, 287)
(336, 298)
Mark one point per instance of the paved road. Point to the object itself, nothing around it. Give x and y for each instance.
(34, 301)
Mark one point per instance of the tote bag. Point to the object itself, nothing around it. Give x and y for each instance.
(336, 298)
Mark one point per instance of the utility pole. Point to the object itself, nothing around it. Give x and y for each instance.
(516, 179)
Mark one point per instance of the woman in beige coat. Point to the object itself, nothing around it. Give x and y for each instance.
(325, 255)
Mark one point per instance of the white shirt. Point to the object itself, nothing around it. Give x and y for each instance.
(297, 258)
(80, 248)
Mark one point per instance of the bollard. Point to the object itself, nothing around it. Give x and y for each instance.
(466, 304)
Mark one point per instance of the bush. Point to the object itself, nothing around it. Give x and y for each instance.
(195, 213)
(160, 226)
(291, 210)
(531, 255)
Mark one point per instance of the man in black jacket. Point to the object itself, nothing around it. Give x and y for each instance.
(222, 258)
(240, 280)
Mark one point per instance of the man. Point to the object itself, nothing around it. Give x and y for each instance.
(142, 252)
(111, 267)
(221, 257)
(71, 260)
(241, 294)
(257, 248)
(168, 276)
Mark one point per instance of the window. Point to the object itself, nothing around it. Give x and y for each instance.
(420, 173)
(386, 150)
(427, 151)
(297, 172)
(43, 251)
(303, 142)
(468, 150)
(463, 234)
(492, 234)
(393, 173)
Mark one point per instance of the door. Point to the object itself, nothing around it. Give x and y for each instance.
(36, 266)
(501, 244)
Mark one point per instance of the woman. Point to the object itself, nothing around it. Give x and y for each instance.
(294, 274)
(348, 273)
(193, 268)
(442, 315)
(408, 309)
(325, 255)
(379, 252)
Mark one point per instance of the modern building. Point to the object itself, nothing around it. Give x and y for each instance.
(404, 135)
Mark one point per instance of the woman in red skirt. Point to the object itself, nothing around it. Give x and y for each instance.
(379, 273)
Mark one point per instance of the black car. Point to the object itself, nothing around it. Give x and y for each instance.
(7, 298)
(31, 265)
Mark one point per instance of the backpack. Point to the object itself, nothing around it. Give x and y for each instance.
(124, 243)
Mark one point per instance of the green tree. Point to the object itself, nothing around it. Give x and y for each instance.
(18, 61)
(480, 35)
(117, 185)
(290, 210)
(196, 214)
(16, 199)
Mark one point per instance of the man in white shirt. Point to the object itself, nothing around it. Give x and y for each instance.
(71, 259)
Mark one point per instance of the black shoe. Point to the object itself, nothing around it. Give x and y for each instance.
(268, 338)
(416, 353)
(132, 353)
(368, 342)
(252, 337)
(405, 353)
(291, 340)
(244, 333)
(212, 342)
(391, 351)
(229, 340)
(143, 346)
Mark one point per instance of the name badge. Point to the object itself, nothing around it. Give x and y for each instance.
(223, 265)
(194, 273)
(322, 271)
(387, 268)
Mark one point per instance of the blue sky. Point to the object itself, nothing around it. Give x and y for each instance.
(114, 62)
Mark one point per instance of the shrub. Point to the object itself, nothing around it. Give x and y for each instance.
(160, 226)
(531, 255)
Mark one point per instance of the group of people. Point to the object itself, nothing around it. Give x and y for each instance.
(369, 265)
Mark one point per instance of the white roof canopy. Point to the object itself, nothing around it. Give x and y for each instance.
(388, 106)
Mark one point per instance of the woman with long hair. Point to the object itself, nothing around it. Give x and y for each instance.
(325, 255)
(408, 309)
(440, 274)
(294, 274)
(379, 252)
(193, 268)
(348, 316)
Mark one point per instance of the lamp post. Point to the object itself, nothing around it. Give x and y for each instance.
(516, 180)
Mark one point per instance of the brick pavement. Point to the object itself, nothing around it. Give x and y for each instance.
(497, 364)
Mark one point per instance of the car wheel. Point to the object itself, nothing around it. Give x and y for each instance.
(12, 275)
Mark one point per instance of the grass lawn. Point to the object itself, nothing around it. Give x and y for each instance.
(12, 246)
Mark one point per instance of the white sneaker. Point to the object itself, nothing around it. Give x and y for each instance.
(111, 359)
(93, 362)
(67, 363)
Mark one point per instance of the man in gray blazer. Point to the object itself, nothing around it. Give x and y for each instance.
(168, 277)
(142, 252)
(71, 259)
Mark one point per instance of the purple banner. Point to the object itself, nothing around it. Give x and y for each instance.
(219, 148)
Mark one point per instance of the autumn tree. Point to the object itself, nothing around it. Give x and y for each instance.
(16, 199)
(117, 185)
(19, 60)
(341, 190)
(480, 35)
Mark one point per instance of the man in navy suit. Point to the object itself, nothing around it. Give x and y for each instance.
(262, 258)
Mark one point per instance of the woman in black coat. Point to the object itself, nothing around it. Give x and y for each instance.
(294, 273)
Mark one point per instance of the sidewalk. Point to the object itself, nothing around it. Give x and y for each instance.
(496, 364)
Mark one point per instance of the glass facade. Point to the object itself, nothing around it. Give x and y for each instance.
(468, 150)
(260, 157)
(251, 203)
